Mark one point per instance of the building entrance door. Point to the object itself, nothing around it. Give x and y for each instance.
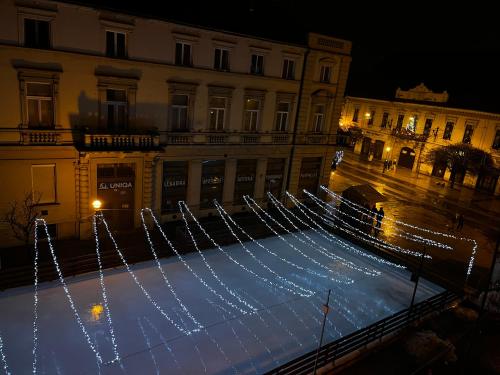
(115, 189)
(365, 147)
(379, 150)
(406, 158)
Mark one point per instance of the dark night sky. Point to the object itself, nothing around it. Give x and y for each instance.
(455, 49)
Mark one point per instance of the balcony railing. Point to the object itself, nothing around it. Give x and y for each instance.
(122, 141)
(40, 137)
(250, 138)
(409, 135)
(281, 139)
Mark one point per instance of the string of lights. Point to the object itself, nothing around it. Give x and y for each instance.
(364, 211)
(66, 289)
(303, 292)
(198, 277)
(330, 237)
(268, 250)
(164, 341)
(313, 244)
(164, 276)
(148, 345)
(247, 199)
(182, 206)
(35, 302)
(138, 283)
(104, 294)
(436, 233)
(374, 240)
(4, 360)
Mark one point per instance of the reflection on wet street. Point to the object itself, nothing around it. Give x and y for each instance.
(409, 201)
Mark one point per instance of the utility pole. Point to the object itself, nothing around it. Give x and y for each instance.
(326, 310)
(420, 266)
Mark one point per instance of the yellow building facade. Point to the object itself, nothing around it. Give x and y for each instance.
(405, 129)
(143, 112)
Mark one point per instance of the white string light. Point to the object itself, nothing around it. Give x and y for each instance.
(247, 199)
(164, 341)
(269, 251)
(148, 344)
(411, 236)
(66, 290)
(199, 278)
(183, 205)
(35, 302)
(314, 245)
(303, 292)
(4, 360)
(330, 237)
(374, 240)
(138, 283)
(104, 295)
(165, 278)
(437, 233)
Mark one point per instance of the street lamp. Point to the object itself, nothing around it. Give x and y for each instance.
(96, 204)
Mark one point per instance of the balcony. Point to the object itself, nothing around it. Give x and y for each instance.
(40, 137)
(131, 141)
(250, 138)
(281, 139)
(409, 135)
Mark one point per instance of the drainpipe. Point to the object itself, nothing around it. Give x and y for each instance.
(295, 125)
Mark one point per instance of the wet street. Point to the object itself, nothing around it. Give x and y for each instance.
(420, 201)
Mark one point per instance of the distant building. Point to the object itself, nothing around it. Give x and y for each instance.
(418, 120)
(143, 112)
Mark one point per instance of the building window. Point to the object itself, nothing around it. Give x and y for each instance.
(216, 113)
(179, 112)
(43, 183)
(282, 112)
(36, 33)
(399, 125)
(116, 44)
(245, 179)
(448, 130)
(221, 59)
(212, 182)
(469, 129)
(274, 176)
(252, 111)
(385, 119)
(257, 66)
(496, 141)
(288, 69)
(325, 74)
(183, 54)
(355, 115)
(175, 177)
(310, 171)
(318, 119)
(116, 109)
(40, 104)
(427, 126)
(371, 117)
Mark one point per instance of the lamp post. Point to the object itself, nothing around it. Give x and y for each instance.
(417, 278)
(326, 310)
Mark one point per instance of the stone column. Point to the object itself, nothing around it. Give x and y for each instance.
(84, 196)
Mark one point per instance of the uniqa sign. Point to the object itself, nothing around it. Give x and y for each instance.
(115, 185)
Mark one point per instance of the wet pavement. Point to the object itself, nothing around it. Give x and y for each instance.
(421, 201)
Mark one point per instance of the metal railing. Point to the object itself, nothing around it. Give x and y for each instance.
(370, 334)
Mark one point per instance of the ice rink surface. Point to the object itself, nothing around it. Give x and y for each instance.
(286, 324)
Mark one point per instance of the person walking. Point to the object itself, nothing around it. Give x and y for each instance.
(460, 224)
(380, 217)
(373, 217)
(394, 165)
(385, 166)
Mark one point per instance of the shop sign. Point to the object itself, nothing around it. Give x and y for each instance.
(115, 185)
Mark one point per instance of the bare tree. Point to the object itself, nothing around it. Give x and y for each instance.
(22, 214)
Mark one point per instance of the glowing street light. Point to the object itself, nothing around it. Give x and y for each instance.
(96, 204)
(387, 149)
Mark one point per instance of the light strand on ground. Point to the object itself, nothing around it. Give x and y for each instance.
(138, 283)
(148, 344)
(198, 277)
(164, 341)
(373, 240)
(4, 359)
(35, 302)
(103, 291)
(303, 292)
(268, 250)
(183, 206)
(66, 289)
(436, 233)
(409, 236)
(247, 199)
(330, 237)
(313, 244)
(165, 278)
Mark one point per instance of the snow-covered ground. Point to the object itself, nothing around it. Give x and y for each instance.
(286, 324)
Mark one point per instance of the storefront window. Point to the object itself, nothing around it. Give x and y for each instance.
(245, 179)
(309, 175)
(175, 177)
(212, 182)
(274, 176)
